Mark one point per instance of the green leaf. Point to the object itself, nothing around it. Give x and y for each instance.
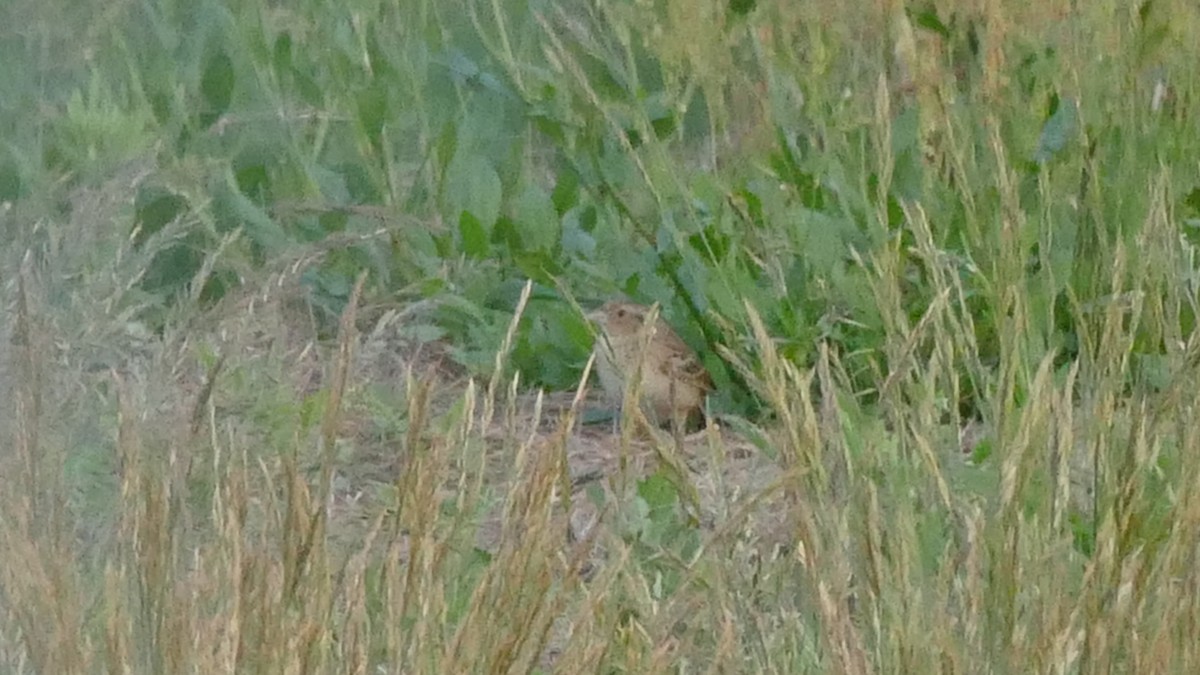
(538, 265)
(566, 191)
(1060, 126)
(907, 177)
(251, 171)
(787, 162)
(310, 91)
(742, 7)
(928, 19)
(155, 207)
(446, 147)
(174, 266)
(372, 108)
(473, 238)
(238, 210)
(360, 186)
(576, 240)
(216, 86)
(819, 239)
(663, 120)
(11, 185)
(282, 53)
(616, 168)
(1192, 201)
(537, 219)
(472, 186)
(658, 491)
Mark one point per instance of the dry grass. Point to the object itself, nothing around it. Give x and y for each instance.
(238, 495)
(488, 532)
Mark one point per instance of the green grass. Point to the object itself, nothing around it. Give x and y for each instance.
(282, 282)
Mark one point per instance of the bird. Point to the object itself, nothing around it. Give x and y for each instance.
(674, 383)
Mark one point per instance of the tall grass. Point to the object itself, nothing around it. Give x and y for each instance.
(941, 257)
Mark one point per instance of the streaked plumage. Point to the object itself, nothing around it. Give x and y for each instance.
(674, 383)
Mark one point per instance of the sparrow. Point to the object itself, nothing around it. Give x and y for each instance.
(631, 337)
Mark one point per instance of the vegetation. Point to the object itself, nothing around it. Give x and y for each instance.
(283, 282)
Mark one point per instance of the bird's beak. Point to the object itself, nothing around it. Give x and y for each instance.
(596, 316)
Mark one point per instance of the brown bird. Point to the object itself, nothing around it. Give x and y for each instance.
(673, 381)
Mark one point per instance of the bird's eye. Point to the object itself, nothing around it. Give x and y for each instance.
(620, 313)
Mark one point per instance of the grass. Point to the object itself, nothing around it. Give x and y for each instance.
(293, 347)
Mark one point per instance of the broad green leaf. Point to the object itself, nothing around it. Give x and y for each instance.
(576, 240)
(1058, 130)
(155, 207)
(566, 191)
(1064, 233)
(537, 219)
(216, 86)
(742, 7)
(907, 174)
(538, 265)
(372, 108)
(788, 163)
(658, 491)
(250, 173)
(662, 114)
(473, 238)
(310, 91)
(505, 235)
(652, 284)
(471, 185)
(332, 184)
(928, 19)
(360, 187)
(615, 166)
(238, 210)
(173, 267)
(11, 185)
(819, 238)
(282, 54)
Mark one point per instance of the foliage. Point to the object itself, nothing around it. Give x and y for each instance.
(878, 231)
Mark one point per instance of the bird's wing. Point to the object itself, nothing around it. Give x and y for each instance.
(681, 362)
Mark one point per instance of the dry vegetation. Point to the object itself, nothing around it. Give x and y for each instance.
(242, 484)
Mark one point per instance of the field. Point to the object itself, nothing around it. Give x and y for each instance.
(294, 363)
